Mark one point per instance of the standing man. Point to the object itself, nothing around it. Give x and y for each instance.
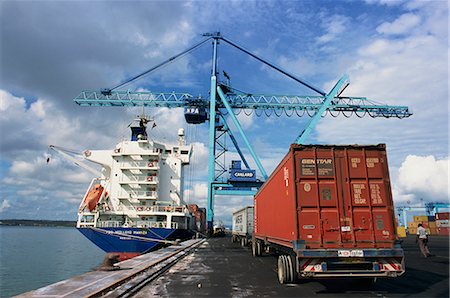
(422, 238)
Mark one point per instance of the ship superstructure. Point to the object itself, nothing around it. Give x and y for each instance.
(137, 202)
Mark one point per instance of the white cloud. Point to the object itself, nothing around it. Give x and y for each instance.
(401, 25)
(425, 176)
(197, 194)
(5, 205)
(399, 71)
(385, 2)
(334, 26)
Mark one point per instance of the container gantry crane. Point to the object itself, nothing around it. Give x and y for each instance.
(224, 100)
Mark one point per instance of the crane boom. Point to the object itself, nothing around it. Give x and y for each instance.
(293, 103)
(66, 155)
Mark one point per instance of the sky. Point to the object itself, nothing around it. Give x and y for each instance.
(395, 52)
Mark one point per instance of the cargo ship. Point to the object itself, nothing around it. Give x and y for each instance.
(136, 204)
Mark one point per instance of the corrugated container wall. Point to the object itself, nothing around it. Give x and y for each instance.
(243, 222)
(442, 215)
(328, 197)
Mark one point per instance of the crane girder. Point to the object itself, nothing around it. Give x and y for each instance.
(241, 101)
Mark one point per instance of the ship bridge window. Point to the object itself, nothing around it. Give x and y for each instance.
(184, 152)
(168, 151)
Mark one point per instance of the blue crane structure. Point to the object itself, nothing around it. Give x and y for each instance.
(225, 101)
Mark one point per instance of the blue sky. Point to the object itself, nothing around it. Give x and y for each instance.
(396, 52)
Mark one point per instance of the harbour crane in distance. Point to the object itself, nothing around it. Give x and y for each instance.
(225, 102)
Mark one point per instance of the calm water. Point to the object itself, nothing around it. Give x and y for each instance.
(33, 257)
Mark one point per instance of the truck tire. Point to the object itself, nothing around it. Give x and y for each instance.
(291, 269)
(256, 248)
(243, 242)
(286, 271)
(259, 248)
(254, 251)
(282, 278)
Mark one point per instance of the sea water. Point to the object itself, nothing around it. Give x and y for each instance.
(33, 257)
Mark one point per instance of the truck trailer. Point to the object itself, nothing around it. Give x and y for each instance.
(327, 210)
(242, 229)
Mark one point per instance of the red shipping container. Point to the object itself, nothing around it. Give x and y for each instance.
(328, 197)
(442, 215)
(443, 231)
(192, 208)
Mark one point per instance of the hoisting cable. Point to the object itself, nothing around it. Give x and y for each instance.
(274, 67)
(106, 91)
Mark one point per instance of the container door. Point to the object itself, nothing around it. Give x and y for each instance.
(344, 198)
(370, 200)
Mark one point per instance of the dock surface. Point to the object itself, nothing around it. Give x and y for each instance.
(219, 268)
(216, 267)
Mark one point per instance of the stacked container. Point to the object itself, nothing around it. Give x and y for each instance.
(418, 219)
(442, 223)
(199, 217)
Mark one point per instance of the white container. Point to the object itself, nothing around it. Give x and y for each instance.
(442, 223)
(243, 222)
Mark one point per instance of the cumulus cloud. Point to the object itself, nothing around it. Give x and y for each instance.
(408, 71)
(401, 25)
(334, 26)
(4, 205)
(424, 176)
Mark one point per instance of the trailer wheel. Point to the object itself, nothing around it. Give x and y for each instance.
(282, 273)
(243, 242)
(256, 248)
(291, 270)
(259, 248)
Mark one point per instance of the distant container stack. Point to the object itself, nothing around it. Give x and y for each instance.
(435, 225)
(199, 216)
(442, 223)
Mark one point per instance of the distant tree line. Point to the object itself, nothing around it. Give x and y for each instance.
(37, 223)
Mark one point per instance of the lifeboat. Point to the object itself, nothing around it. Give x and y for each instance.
(93, 197)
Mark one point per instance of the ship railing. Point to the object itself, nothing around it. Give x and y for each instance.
(145, 194)
(142, 178)
(140, 164)
(151, 224)
(86, 220)
(109, 224)
(181, 209)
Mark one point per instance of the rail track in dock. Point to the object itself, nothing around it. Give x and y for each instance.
(124, 282)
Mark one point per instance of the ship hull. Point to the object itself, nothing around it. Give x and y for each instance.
(118, 240)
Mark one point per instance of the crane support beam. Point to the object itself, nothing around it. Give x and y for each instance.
(244, 137)
(236, 145)
(212, 140)
(327, 102)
